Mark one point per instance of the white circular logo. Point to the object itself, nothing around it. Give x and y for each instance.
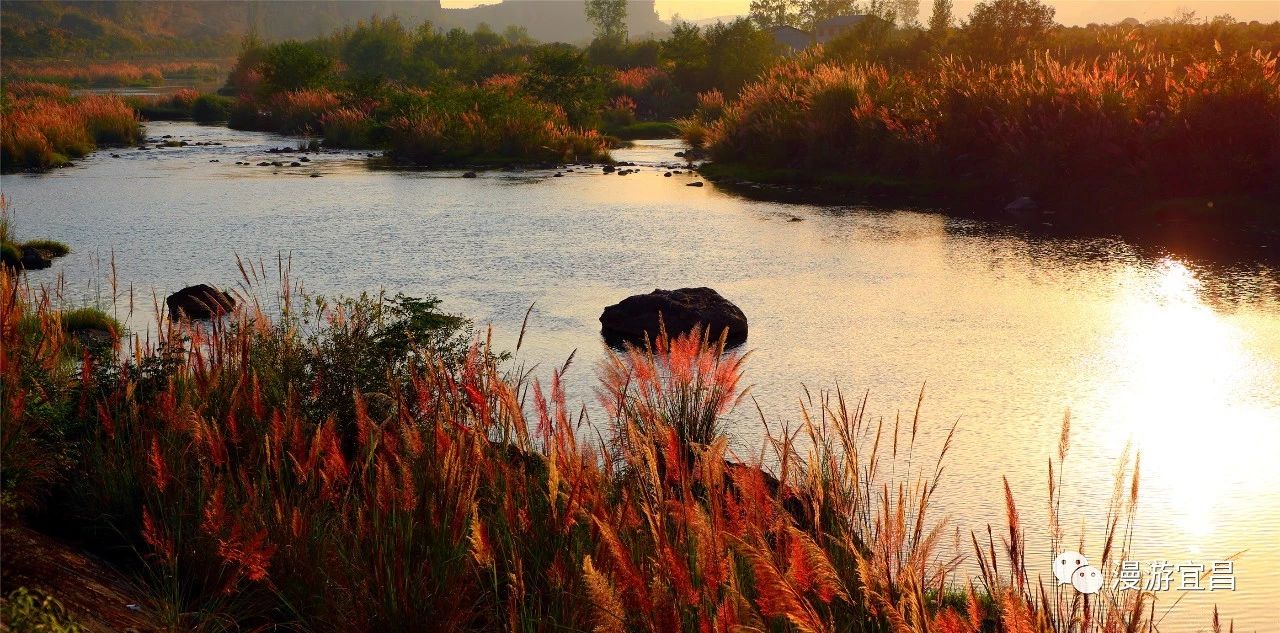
(1087, 580)
(1065, 565)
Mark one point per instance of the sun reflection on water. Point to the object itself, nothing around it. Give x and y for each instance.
(1189, 397)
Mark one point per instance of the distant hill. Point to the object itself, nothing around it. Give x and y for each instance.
(107, 29)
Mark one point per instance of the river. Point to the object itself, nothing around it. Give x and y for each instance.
(1004, 331)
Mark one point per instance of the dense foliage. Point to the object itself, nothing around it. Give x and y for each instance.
(1134, 123)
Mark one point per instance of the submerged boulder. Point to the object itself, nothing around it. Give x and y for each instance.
(1021, 206)
(200, 301)
(35, 258)
(636, 319)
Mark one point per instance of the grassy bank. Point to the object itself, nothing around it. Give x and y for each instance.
(366, 465)
(44, 126)
(90, 74)
(183, 105)
(1083, 137)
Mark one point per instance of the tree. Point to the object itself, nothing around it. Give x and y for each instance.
(293, 66)
(767, 13)
(812, 12)
(737, 53)
(1002, 29)
(609, 18)
(907, 13)
(940, 20)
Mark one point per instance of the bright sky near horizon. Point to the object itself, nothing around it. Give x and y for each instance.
(1069, 11)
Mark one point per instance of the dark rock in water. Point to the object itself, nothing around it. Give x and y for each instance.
(305, 159)
(795, 219)
(276, 163)
(200, 301)
(115, 156)
(214, 160)
(696, 183)
(470, 174)
(667, 175)
(264, 164)
(637, 317)
(35, 259)
(315, 175)
(609, 169)
(679, 154)
(295, 164)
(557, 175)
(1021, 206)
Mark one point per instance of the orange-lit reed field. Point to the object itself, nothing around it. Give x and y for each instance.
(113, 74)
(44, 126)
(1124, 125)
(492, 122)
(366, 465)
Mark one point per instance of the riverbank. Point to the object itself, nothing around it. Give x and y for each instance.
(1240, 227)
(1134, 142)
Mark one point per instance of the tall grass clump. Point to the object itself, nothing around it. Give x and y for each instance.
(45, 127)
(369, 465)
(1126, 125)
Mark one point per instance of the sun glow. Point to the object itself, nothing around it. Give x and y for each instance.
(1189, 399)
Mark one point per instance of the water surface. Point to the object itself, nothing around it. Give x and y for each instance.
(1005, 332)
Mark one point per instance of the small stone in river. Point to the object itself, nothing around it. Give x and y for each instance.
(696, 183)
(666, 175)
(315, 175)
(295, 164)
(558, 175)
(305, 159)
(469, 174)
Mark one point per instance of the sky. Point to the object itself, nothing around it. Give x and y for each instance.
(1069, 11)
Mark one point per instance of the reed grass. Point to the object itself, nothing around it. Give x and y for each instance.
(111, 74)
(367, 465)
(45, 127)
(1131, 123)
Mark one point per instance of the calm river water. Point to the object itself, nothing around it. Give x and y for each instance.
(1005, 332)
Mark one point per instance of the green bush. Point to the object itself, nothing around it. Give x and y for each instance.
(10, 254)
(50, 247)
(89, 319)
(35, 612)
(211, 108)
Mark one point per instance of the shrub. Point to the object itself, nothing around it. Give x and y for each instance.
(89, 319)
(1125, 125)
(210, 108)
(347, 127)
(36, 612)
(51, 247)
(10, 255)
